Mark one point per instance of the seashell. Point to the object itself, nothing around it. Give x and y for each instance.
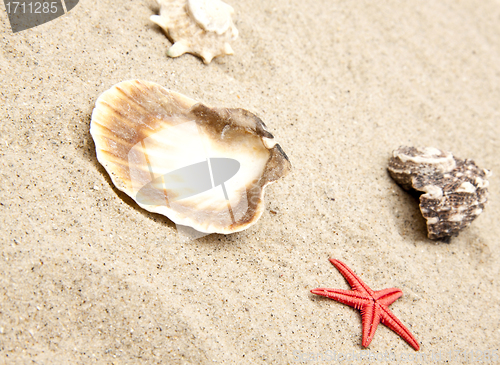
(200, 27)
(201, 167)
(454, 191)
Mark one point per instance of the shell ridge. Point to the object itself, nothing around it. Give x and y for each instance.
(144, 132)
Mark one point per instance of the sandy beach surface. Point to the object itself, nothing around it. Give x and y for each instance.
(87, 276)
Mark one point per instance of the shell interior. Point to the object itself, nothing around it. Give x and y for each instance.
(201, 167)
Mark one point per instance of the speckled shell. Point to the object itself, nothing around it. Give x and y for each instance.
(454, 191)
(201, 27)
(147, 136)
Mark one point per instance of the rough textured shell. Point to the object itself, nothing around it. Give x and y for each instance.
(455, 190)
(201, 27)
(147, 137)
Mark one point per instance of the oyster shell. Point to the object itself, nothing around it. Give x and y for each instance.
(200, 27)
(455, 190)
(201, 167)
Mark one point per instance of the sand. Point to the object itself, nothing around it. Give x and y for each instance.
(89, 277)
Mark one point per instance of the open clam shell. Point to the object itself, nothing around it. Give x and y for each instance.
(201, 167)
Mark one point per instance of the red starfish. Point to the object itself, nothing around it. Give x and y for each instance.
(374, 305)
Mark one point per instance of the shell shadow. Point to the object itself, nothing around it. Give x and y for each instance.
(218, 240)
(417, 222)
(410, 221)
(155, 10)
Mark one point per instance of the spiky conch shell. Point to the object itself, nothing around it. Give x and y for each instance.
(201, 27)
(144, 133)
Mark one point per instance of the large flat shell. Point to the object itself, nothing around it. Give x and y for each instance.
(201, 167)
(455, 191)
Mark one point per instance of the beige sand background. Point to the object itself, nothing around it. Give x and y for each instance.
(86, 276)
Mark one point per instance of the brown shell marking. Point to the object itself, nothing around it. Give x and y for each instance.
(134, 125)
(455, 191)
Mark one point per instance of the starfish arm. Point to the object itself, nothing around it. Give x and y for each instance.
(354, 281)
(370, 315)
(374, 305)
(390, 320)
(349, 297)
(387, 296)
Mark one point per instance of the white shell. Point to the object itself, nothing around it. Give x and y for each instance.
(211, 15)
(147, 137)
(200, 27)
